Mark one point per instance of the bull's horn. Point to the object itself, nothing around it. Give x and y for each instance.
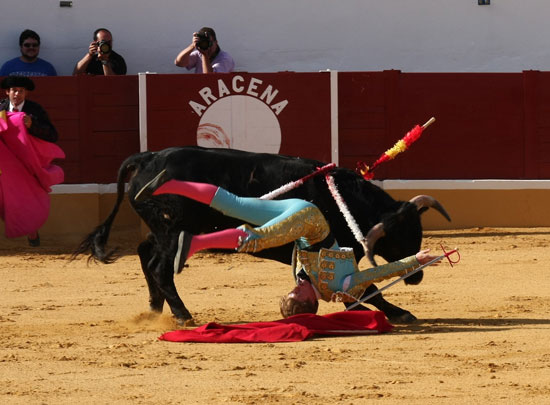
(375, 233)
(425, 201)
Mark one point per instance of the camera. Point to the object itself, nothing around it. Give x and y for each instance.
(204, 42)
(103, 47)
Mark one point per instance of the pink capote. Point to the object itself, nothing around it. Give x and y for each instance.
(26, 175)
(292, 329)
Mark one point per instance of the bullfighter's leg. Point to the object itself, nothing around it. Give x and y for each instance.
(308, 225)
(249, 209)
(279, 221)
(189, 244)
(33, 239)
(161, 184)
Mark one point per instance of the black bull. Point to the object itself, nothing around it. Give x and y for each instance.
(253, 174)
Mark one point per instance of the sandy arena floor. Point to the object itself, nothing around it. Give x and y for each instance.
(72, 333)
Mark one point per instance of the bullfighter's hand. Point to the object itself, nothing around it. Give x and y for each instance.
(423, 257)
(27, 121)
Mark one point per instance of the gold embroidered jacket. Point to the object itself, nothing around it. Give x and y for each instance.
(328, 269)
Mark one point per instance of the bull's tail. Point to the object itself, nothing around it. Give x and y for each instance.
(96, 241)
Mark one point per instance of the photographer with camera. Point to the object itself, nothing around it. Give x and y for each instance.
(101, 59)
(205, 55)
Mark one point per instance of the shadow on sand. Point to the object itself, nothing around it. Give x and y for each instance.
(453, 325)
(474, 234)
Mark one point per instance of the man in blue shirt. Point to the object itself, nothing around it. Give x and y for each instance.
(28, 64)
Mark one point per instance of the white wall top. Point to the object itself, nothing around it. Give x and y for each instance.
(294, 35)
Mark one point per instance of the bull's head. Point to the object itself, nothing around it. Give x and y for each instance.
(400, 234)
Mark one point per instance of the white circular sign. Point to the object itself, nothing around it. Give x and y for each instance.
(240, 122)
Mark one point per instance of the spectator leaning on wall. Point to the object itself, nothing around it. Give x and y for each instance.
(28, 64)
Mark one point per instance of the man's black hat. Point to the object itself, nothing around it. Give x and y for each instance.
(17, 81)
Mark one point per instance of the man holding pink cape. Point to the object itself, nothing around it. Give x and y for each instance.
(26, 153)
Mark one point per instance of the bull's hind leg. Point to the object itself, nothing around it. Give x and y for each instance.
(149, 261)
(164, 276)
(160, 276)
(392, 312)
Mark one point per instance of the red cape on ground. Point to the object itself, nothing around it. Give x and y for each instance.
(293, 329)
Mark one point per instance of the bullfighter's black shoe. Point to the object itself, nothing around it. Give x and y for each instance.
(147, 190)
(184, 243)
(34, 242)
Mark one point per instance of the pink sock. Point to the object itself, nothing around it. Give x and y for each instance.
(226, 239)
(201, 192)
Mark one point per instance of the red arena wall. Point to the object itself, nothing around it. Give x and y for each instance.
(98, 123)
(489, 125)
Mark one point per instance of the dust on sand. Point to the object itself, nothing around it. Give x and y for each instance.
(73, 333)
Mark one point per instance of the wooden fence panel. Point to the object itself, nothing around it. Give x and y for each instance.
(488, 125)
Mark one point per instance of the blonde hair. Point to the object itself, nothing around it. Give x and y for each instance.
(291, 306)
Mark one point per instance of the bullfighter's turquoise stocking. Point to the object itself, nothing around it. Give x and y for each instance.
(279, 221)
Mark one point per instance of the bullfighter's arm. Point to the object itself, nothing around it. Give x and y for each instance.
(385, 271)
(41, 126)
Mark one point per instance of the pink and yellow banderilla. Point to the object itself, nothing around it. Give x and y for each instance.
(437, 259)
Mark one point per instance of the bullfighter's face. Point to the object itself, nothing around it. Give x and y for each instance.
(16, 95)
(303, 292)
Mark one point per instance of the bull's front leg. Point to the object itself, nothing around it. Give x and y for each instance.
(149, 261)
(392, 312)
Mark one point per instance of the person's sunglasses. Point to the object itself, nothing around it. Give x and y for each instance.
(31, 45)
